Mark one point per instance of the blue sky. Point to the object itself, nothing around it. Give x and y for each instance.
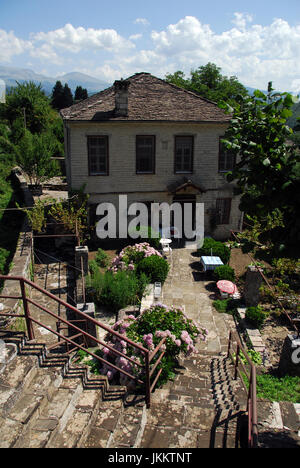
(257, 41)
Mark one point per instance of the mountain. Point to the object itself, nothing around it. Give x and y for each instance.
(11, 75)
(93, 85)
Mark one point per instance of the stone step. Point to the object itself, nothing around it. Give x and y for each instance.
(17, 375)
(45, 402)
(278, 424)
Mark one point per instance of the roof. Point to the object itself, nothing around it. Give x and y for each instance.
(149, 99)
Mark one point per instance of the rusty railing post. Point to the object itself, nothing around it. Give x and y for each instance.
(147, 377)
(229, 344)
(236, 361)
(26, 310)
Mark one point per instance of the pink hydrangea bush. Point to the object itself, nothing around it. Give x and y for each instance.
(154, 324)
(132, 255)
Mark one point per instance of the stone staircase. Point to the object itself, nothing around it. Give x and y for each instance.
(202, 407)
(47, 403)
(44, 402)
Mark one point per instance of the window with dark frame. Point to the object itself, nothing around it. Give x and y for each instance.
(98, 155)
(223, 209)
(145, 154)
(226, 158)
(184, 147)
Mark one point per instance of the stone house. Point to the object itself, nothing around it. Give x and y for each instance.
(154, 142)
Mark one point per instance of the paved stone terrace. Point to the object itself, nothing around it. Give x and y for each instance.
(193, 289)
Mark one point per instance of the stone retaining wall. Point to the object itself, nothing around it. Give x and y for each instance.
(22, 258)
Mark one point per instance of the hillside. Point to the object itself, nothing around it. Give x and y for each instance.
(11, 75)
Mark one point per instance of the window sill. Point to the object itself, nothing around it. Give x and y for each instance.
(145, 173)
(183, 172)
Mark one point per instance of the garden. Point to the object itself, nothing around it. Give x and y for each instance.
(279, 296)
(119, 282)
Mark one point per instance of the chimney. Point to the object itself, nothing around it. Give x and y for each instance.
(121, 97)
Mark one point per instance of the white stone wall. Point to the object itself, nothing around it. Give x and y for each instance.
(122, 178)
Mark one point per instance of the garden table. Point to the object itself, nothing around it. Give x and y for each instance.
(210, 262)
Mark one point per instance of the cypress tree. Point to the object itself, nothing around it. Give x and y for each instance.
(67, 97)
(57, 96)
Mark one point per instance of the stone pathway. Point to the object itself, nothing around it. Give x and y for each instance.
(203, 406)
(186, 286)
(58, 279)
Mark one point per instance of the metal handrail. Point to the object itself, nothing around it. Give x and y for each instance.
(251, 391)
(30, 320)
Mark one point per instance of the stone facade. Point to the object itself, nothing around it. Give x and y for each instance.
(144, 105)
(123, 179)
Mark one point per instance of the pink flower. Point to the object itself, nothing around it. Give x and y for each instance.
(148, 339)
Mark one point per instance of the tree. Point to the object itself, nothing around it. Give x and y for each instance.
(26, 106)
(67, 97)
(208, 82)
(34, 157)
(57, 96)
(61, 96)
(267, 171)
(80, 94)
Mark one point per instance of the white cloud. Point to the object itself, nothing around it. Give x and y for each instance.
(12, 45)
(135, 37)
(257, 54)
(77, 39)
(254, 53)
(241, 19)
(46, 54)
(143, 21)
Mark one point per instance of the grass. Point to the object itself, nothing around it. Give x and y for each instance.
(225, 306)
(270, 387)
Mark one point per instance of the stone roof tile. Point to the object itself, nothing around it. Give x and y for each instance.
(149, 99)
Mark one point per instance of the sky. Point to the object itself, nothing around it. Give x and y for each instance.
(257, 41)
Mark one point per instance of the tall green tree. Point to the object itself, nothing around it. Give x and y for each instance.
(209, 83)
(267, 170)
(80, 94)
(34, 155)
(67, 96)
(26, 106)
(57, 96)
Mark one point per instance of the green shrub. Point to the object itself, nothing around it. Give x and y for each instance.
(216, 248)
(93, 266)
(149, 328)
(256, 316)
(101, 258)
(224, 272)
(149, 235)
(116, 290)
(225, 306)
(154, 267)
(255, 357)
(131, 256)
(4, 254)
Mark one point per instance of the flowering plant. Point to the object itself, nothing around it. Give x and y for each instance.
(147, 330)
(131, 255)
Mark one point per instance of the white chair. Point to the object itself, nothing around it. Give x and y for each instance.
(167, 249)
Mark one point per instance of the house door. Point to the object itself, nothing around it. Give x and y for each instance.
(186, 201)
